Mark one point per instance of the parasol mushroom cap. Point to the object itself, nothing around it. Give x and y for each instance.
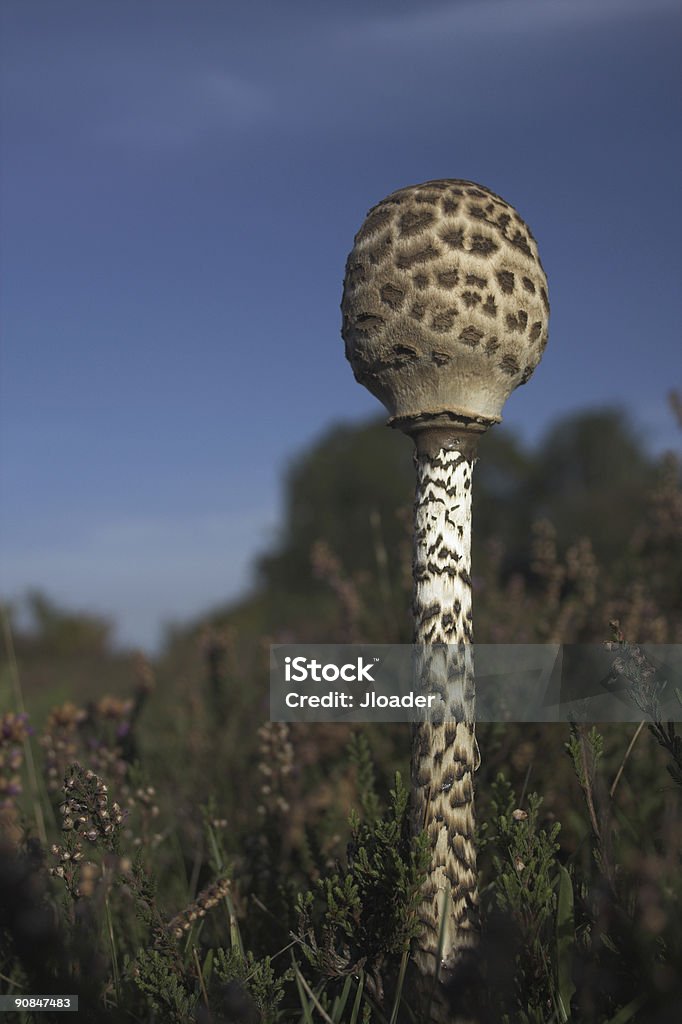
(445, 307)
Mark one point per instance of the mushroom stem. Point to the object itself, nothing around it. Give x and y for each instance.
(445, 753)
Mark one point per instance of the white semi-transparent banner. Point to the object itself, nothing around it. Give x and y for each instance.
(511, 682)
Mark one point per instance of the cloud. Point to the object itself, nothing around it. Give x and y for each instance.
(380, 74)
(508, 18)
(134, 91)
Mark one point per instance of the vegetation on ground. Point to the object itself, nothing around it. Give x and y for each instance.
(171, 855)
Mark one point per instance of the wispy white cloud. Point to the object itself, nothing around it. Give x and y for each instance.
(371, 71)
(294, 72)
(469, 19)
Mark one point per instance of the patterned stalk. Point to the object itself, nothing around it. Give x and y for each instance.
(445, 753)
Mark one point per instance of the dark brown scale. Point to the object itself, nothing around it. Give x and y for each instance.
(509, 364)
(392, 296)
(375, 222)
(450, 733)
(519, 241)
(471, 336)
(482, 245)
(380, 253)
(453, 237)
(406, 260)
(489, 307)
(355, 275)
(447, 278)
(447, 783)
(506, 279)
(413, 222)
(366, 323)
(443, 321)
(471, 299)
(427, 197)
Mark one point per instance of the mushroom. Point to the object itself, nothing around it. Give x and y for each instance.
(445, 312)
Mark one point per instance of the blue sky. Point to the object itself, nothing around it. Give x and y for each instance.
(181, 183)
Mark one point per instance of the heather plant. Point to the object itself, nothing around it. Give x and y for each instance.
(103, 732)
(551, 921)
(170, 855)
(14, 732)
(529, 899)
(368, 909)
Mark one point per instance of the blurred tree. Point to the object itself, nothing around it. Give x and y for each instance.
(344, 489)
(61, 654)
(345, 537)
(61, 632)
(590, 475)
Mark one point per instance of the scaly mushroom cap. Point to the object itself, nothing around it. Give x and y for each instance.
(445, 307)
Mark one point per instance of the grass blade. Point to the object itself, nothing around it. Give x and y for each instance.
(626, 1013)
(36, 791)
(202, 983)
(341, 1000)
(565, 941)
(304, 989)
(358, 1000)
(112, 946)
(305, 1006)
(399, 987)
